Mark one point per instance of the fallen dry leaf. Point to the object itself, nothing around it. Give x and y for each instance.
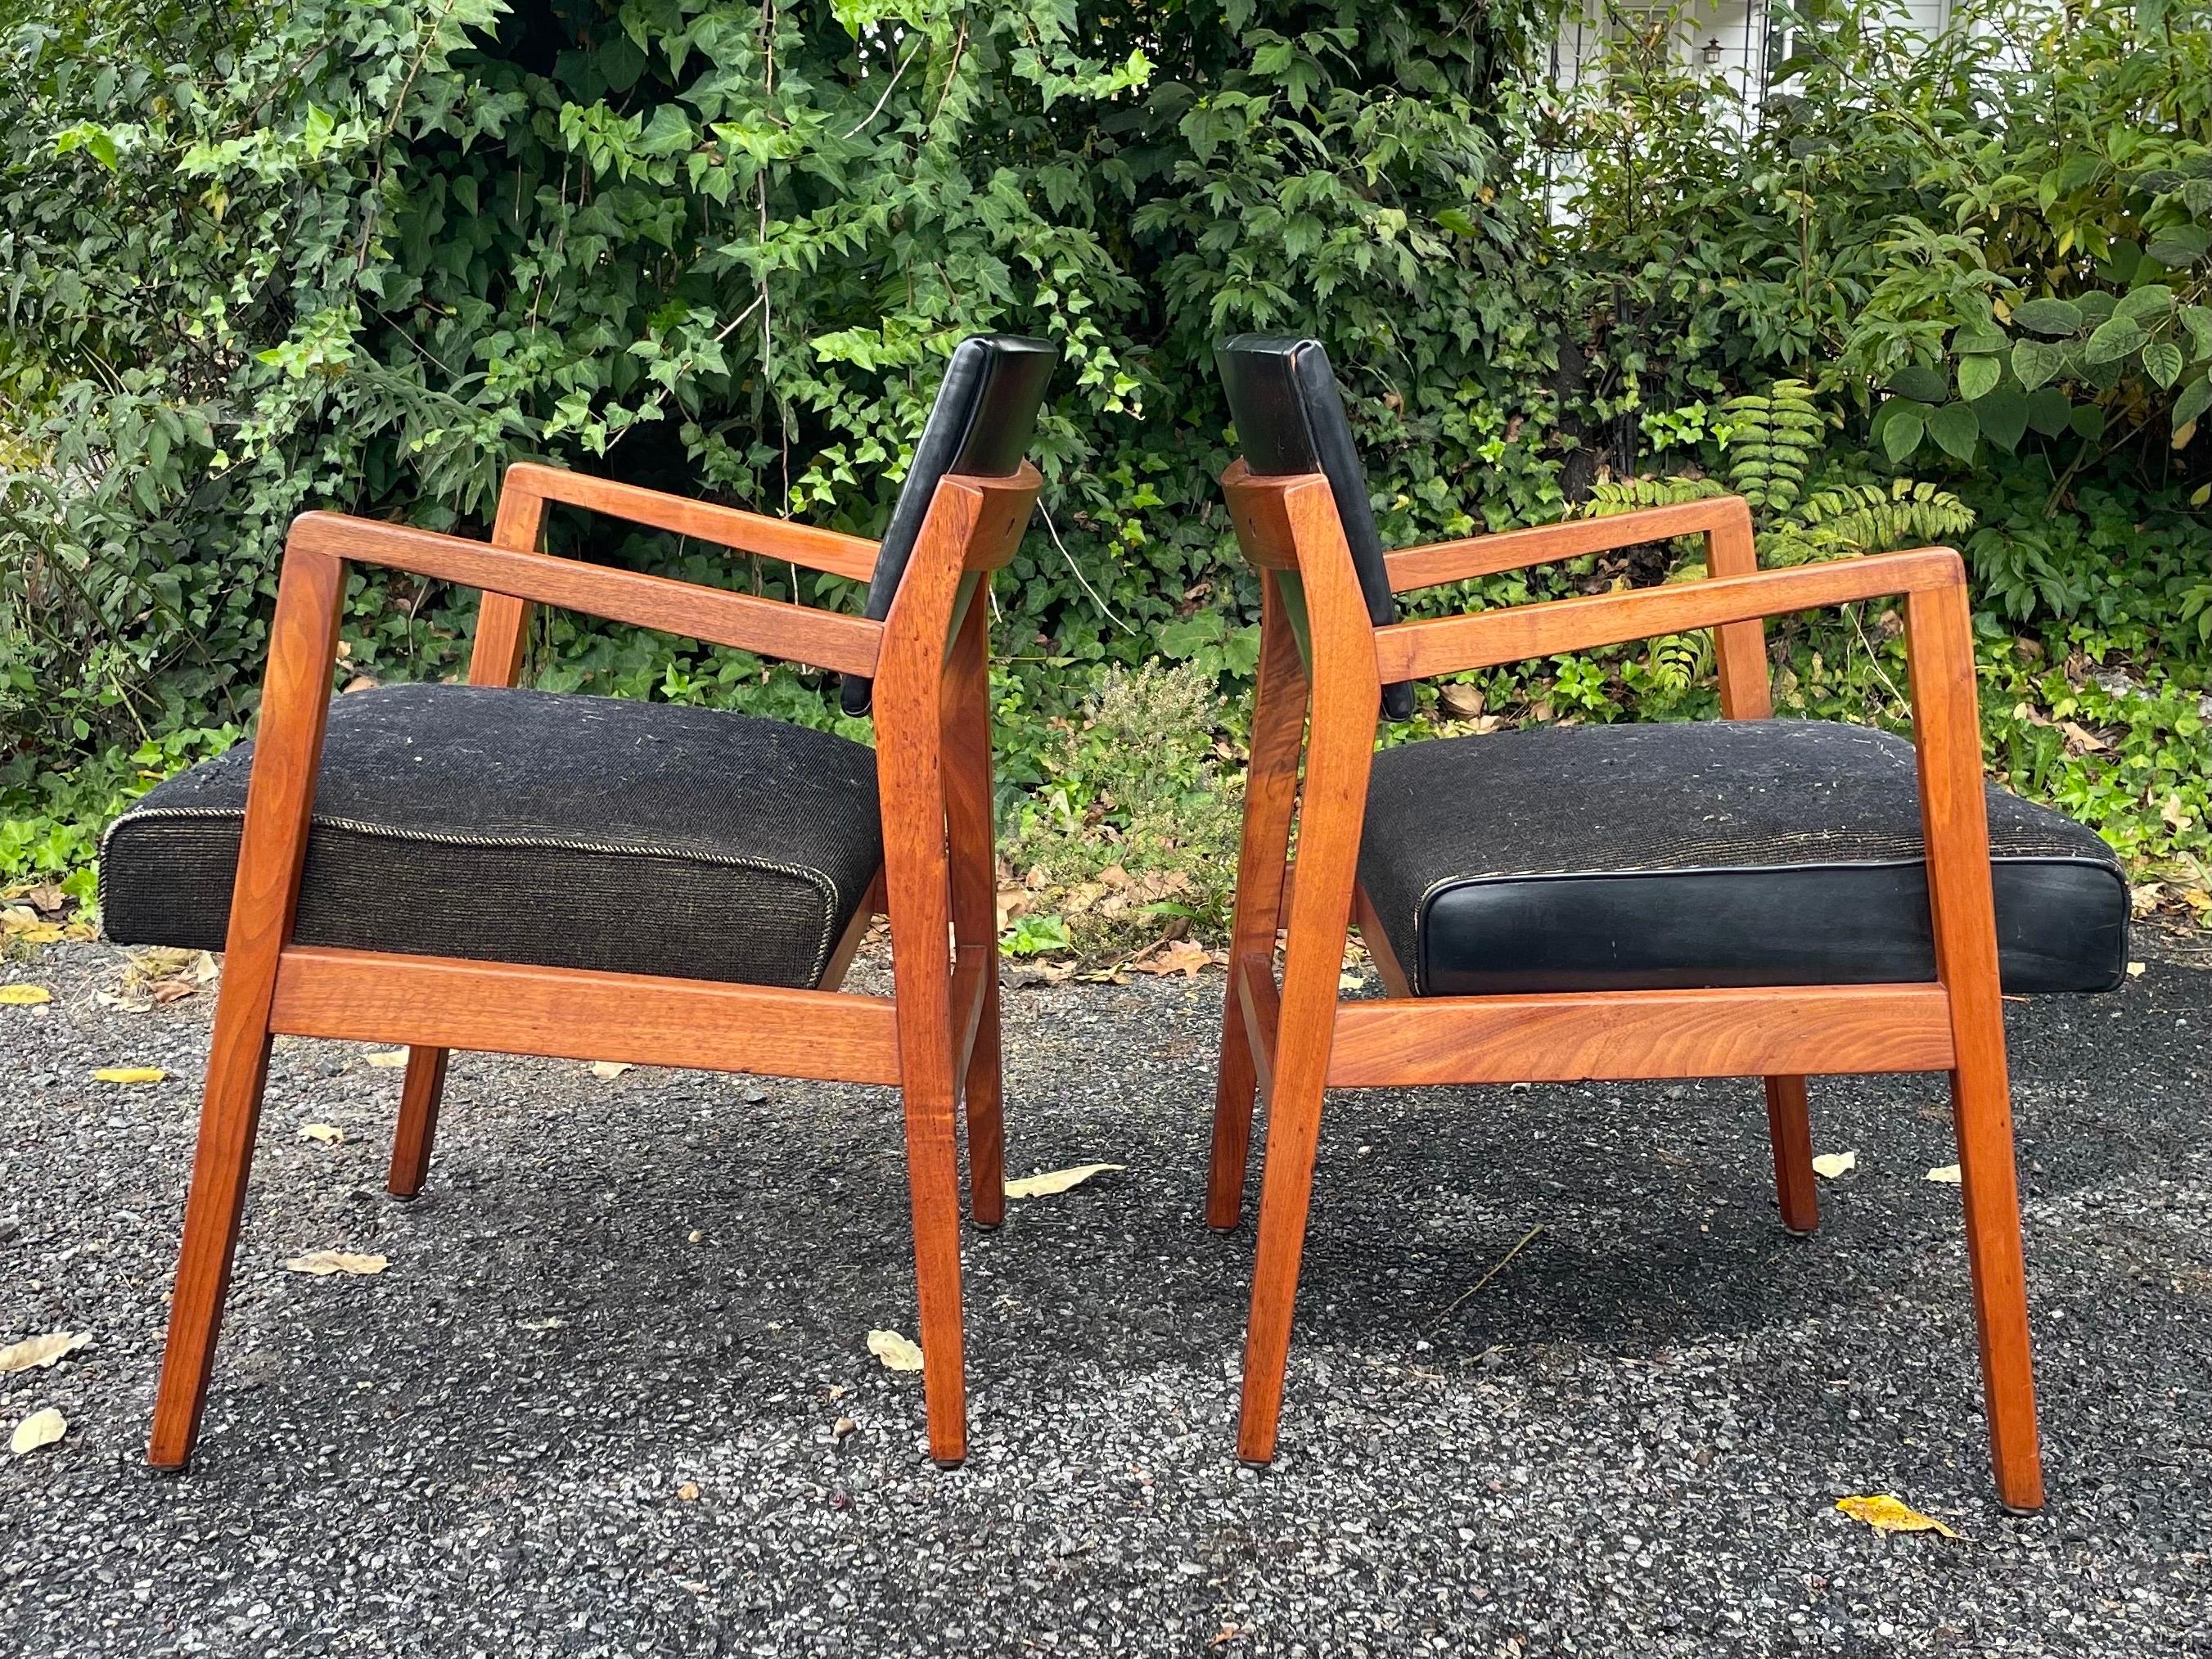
(1887, 1514)
(688, 1491)
(320, 1262)
(128, 1005)
(2176, 816)
(895, 1351)
(132, 1074)
(1056, 1181)
(1353, 980)
(207, 969)
(34, 1352)
(1832, 1165)
(1180, 956)
(555, 1323)
(40, 1428)
(609, 1068)
(24, 996)
(2082, 738)
(329, 1133)
(21, 921)
(385, 1059)
(2136, 970)
(46, 896)
(173, 990)
(843, 1426)
(1946, 1173)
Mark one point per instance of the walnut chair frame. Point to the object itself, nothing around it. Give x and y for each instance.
(1289, 1042)
(936, 1038)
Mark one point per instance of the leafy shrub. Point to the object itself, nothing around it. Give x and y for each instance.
(1132, 835)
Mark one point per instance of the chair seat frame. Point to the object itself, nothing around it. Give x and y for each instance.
(1322, 664)
(936, 1038)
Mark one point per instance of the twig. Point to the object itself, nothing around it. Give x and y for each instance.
(1444, 1318)
(862, 124)
(1104, 610)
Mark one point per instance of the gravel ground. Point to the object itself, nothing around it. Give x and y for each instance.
(593, 1408)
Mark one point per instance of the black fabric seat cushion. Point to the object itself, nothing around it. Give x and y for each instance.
(1720, 853)
(522, 826)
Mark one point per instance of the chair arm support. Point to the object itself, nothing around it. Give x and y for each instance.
(853, 557)
(1439, 563)
(824, 639)
(1484, 639)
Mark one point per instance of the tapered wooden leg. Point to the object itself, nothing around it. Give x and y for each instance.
(1788, 1125)
(1286, 1194)
(987, 1122)
(1981, 1105)
(280, 796)
(230, 1111)
(1270, 796)
(1946, 734)
(419, 1094)
(971, 848)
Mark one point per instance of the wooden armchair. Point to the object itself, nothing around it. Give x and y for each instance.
(1752, 898)
(483, 867)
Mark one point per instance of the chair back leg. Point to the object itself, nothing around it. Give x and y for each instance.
(1271, 790)
(1788, 1125)
(971, 849)
(420, 1093)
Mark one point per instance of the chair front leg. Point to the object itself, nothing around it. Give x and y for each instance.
(1789, 1127)
(1271, 789)
(972, 849)
(1946, 734)
(420, 1093)
(280, 802)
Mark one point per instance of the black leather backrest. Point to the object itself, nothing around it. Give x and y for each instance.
(1290, 418)
(981, 426)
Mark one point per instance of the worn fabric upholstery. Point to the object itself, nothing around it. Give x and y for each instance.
(521, 826)
(1718, 853)
(1290, 419)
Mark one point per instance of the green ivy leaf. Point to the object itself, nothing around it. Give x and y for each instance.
(1902, 431)
(2177, 246)
(2003, 416)
(2196, 397)
(1979, 377)
(2144, 303)
(2116, 339)
(2198, 319)
(2050, 411)
(2052, 317)
(2036, 361)
(1920, 383)
(2162, 361)
(1955, 429)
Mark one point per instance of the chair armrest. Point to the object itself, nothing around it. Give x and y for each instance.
(853, 557)
(824, 639)
(1484, 639)
(1439, 563)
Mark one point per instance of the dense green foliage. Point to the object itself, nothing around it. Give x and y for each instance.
(362, 255)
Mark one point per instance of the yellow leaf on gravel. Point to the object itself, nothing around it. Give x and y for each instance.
(132, 1074)
(609, 1068)
(1946, 1173)
(40, 1428)
(2136, 969)
(336, 1261)
(24, 996)
(1832, 1165)
(329, 1133)
(32, 1352)
(1888, 1514)
(1057, 1180)
(386, 1058)
(895, 1351)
